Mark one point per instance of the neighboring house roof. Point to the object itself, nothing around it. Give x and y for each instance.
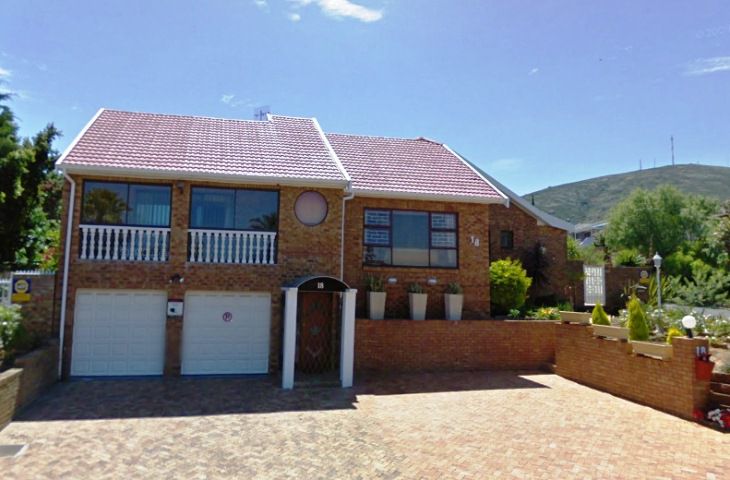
(281, 149)
(532, 210)
(410, 168)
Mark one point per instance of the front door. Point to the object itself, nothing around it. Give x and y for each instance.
(316, 333)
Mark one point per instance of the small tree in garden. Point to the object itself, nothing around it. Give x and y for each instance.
(637, 323)
(599, 317)
(10, 331)
(509, 284)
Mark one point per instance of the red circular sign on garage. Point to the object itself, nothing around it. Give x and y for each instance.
(227, 317)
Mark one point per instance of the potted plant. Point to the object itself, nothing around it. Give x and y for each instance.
(417, 301)
(602, 325)
(454, 301)
(575, 317)
(375, 297)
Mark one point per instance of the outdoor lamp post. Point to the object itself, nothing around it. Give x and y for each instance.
(689, 322)
(658, 264)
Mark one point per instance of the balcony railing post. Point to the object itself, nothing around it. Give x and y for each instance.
(232, 247)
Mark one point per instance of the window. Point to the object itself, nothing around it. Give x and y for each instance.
(230, 209)
(506, 239)
(410, 238)
(116, 203)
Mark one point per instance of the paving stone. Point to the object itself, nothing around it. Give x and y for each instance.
(449, 425)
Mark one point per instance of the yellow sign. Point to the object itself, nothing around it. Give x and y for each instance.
(21, 290)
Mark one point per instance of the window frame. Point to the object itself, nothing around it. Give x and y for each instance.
(278, 208)
(511, 242)
(431, 229)
(129, 185)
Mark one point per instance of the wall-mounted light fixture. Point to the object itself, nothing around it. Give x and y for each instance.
(177, 279)
(180, 186)
(392, 280)
(432, 281)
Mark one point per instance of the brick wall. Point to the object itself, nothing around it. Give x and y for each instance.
(529, 235)
(302, 250)
(9, 382)
(40, 371)
(610, 366)
(38, 314)
(472, 274)
(439, 345)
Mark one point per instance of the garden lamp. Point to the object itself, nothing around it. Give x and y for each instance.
(658, 264)
(689, 322)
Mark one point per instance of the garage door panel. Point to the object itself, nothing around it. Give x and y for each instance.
(212, 345)
(119, 333)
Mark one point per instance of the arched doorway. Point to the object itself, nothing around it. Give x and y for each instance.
(315, 341)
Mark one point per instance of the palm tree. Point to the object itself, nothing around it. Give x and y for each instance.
(267, 222)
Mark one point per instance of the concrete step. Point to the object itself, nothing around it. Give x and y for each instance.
(721, 377)
(721, 399)
(720, 387)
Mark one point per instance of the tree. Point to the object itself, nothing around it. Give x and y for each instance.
(30, 193)
(658, 220)
(509, 283)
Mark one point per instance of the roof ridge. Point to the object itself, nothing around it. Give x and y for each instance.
(176, 115)
(384, 137)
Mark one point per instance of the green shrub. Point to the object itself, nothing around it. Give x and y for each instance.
(628, 257)
(509, 284)
(637, 323)
(374, 284)
(514, 313)
(565, 306)
(599, 317)
(415, 288)
(673, 332)
(454, 288)
(10, 331)
(547, 313)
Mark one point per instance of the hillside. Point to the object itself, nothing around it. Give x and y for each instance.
(591, 200)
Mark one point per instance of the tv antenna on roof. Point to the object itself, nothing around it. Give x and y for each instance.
(260, 113)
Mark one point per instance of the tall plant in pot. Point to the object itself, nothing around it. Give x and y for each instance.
(454, 301)
(375, 297)
(417, 301)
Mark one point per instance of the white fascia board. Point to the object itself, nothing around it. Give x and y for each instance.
(431, 197)
(77, 138)
(202, 176)
(333, 154)
(505, 197)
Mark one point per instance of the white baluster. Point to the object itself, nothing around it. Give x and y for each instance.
(257, 243)
(247, 247)
(208, 236)
(147, 234)
(156, 252)
(272, 242)
(124, 255)
(84, 240)
(107, 243)
(191, 238)
(137, 245)
(163, 253)
(115, 242)
(229, 248)
(95, 241)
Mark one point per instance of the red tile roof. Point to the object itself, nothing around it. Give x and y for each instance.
(409, 166)
(282, 147)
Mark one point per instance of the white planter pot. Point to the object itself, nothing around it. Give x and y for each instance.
(662, 351)
(417, 303)
(454, 304)
(575, 317)
(621, 333)
(376, 305)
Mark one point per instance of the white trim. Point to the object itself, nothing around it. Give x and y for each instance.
(349, 195)
(426, 196)
(78, 137)
(347, 337)
(147, 173)
(66, 264)
(289, 343)
(333, 154)
(479, 174)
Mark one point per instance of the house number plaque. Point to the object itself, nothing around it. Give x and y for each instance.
(227, 317)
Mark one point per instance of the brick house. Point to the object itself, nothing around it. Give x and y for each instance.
(195, 245)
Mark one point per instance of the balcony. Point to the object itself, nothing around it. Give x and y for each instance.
(232, 247)
(122, 243)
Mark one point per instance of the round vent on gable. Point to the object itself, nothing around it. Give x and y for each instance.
(311, 208)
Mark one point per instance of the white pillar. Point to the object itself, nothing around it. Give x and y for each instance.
(290, 337)
(347, 343)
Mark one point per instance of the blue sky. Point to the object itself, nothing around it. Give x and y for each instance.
(536, 93)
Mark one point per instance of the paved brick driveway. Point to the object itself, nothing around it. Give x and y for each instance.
(458, 425)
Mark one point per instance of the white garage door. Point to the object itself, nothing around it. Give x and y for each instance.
(119, 332)
(226, 333)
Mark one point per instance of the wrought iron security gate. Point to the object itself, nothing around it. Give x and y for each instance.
(594, 284)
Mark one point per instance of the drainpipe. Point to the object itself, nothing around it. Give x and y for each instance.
(349, 195)
(66, 256)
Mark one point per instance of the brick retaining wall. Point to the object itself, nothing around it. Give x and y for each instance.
(440, 345)
(40, 371)
(610, 365)
(9, 383)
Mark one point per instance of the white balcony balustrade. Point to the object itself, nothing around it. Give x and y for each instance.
(230, 246)
(111, 242)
